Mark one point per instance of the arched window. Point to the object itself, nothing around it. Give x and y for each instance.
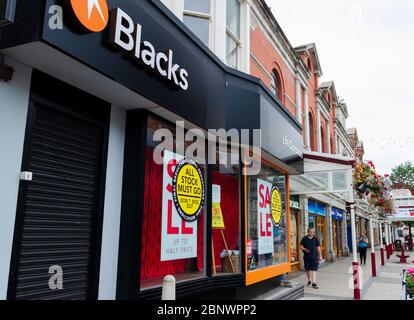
(332, 146)
(276, 84)
(323, 138)
(312, 132)
(309, 64)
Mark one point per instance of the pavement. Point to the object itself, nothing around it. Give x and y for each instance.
(335, 280)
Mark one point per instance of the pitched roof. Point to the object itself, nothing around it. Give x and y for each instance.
(311, 49)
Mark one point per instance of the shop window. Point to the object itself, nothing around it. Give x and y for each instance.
(267, 237)
(197, 17)
(276, 84)
(170, 245)
(226, 220)
(294, 236)
(233, 42)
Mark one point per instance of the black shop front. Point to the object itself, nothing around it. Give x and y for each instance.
(97, 104)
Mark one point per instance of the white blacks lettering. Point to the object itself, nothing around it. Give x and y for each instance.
(127, 36)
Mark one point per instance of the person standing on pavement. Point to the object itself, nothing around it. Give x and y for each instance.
(362, 248)
(312, 255)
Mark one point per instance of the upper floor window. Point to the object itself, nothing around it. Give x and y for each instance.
(197, 17)
(276, 84)
(233, 42)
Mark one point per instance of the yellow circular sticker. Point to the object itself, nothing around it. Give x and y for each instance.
(188, 189)
(276, 206)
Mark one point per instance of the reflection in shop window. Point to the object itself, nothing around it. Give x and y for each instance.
(267, 236)
(197, 17)
(170, 245)
(226, 219)
(233, 42)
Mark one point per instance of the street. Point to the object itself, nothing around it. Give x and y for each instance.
(335, 280)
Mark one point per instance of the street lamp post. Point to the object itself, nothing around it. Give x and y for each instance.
(387, 240)
(355, 265)
(382, 242)
(373, 262)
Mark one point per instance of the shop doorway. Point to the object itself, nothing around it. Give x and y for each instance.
(337, 237)
(320, 234)
(56, 246)
(294, 239)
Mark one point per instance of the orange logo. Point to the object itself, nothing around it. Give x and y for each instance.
(92, 14)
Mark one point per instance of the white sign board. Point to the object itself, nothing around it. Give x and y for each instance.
(264, 218)
(178, 237)
(216, 193)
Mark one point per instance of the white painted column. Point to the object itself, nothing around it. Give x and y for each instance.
(330, 245)
(328, 135)
(381, 235)
(318, 128)
(219, 29)
(298, 102)
(354, 235)
(371, 232)
(387, 241)
(245, 35)
(113, 203)
(14, 101)
(307, 124)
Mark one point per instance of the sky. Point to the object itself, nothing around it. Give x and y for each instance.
(367, 48)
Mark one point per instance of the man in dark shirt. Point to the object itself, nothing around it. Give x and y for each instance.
(312, 255)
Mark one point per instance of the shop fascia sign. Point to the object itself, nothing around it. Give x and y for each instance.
(294, 204)
(126, 35)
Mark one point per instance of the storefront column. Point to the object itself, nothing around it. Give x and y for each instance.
(330, 249)
(14, 102)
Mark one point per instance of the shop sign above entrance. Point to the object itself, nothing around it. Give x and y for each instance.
(126, 35)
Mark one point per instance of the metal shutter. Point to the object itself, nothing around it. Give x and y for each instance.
(59, 222)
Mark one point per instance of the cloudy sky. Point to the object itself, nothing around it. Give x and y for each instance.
(367, 48)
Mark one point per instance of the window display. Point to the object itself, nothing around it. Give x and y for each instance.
(170, 243)
(226, 220)
(267, 221)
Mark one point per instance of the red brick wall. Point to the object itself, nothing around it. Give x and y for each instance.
(269, 58)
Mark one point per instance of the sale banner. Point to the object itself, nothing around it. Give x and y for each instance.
(178, 236)
(265, 243)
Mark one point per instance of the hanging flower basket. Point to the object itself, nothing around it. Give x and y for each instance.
(409, 279)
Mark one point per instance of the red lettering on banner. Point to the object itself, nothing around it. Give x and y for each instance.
(268, 225)
(170, 228)
(185, 229)
(170, 170)
(266, 231)
(262, 200)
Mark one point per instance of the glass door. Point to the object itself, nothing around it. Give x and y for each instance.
(320, 234)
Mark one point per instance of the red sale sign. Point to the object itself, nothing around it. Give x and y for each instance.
(264, 217)
(178, 237)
